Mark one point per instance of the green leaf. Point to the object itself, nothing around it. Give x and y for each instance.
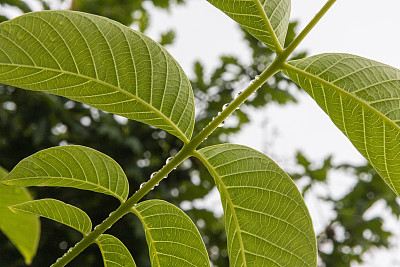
(266, 220)
(58, 211)
(172, 237)
(23, 230)
(267, 20)
(99, 62)
(114, 252)
(71, 166)
(362, 98)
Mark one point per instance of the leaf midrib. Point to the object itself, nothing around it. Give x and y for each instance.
(269, 27)
(158, 112)
(228, 199)
(341, 91)
(112, 193)
(147, 229)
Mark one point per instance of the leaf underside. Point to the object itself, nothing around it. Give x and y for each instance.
(23, 230)
(114, 252)
(99, 62)
(362, 98)
(57, 211)
(71, 166)
(266, 220)
(254, 15)
(172, 237)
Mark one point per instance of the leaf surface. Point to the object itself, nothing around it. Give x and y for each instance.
(266, 220)
(266, 20)
(71, 166)
(99, 62)
(23, 230)
(362, 98)
(172, 237)
(58, 211)
(114, 252)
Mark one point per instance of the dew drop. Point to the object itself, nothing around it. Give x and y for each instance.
(111, 214)
(219, 113)
(257, 77)
(222, 124)
(20, 35)
(225, 106)
(237, 94)
(168, 160)
(157, 184)
(151, 176)
(142, 184)
(7, 28)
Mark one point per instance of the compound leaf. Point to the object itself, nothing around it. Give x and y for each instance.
(58, 211)
(362, 98)
(99, 62)
(266, 220)
(172, 237)
(114, 252)
(71, 166)
(267, 20)
(23, 230)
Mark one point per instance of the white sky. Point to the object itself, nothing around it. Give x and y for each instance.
(367, 28)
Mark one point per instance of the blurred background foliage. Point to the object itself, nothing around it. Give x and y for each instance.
(31, 121)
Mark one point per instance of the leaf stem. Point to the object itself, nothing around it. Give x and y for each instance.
(293, 45)
(187, 151)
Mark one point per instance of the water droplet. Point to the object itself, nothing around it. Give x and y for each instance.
(111, 214)
(142, 184)
(166, 176)
(6, 28)
(157, 184)
(257, 77)
(219, 113)
(153, 174)
(53, 36)
(237, 94)
(225, 106)
(222, 124)
(20, 35)
(168, 160)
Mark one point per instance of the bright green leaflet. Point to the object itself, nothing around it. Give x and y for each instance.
(99, 62)
(114, 252)
(266, 220)
(267, 20)
(58, 211)
(71, 166)
(23, 230)
(362, 98)
(172, 237)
